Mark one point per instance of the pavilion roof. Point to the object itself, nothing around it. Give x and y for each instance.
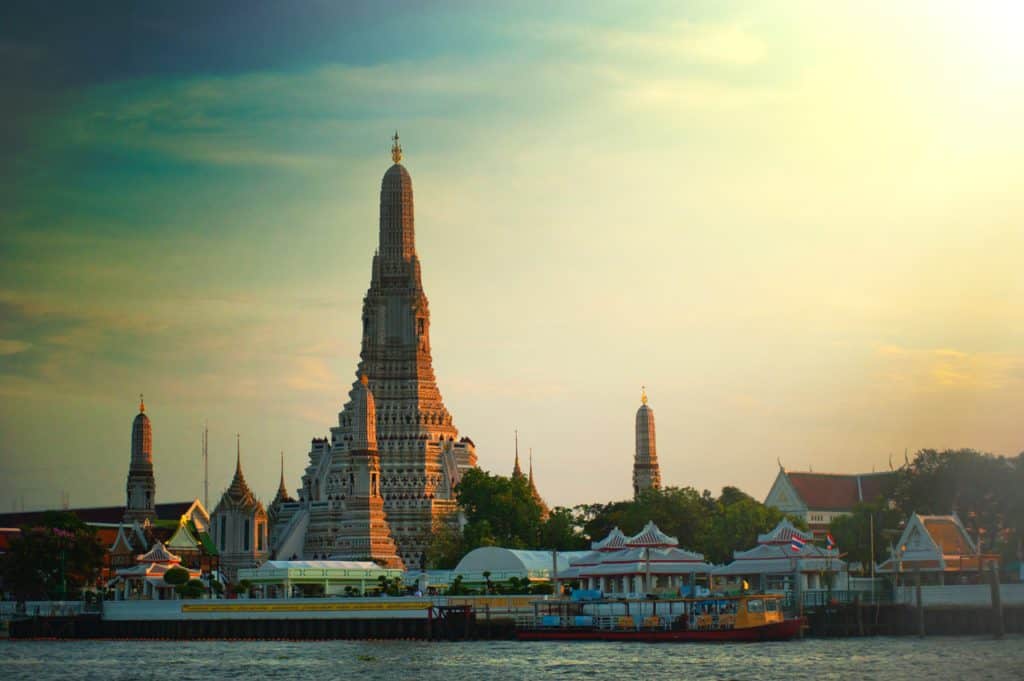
(633, 560)
(783, 533)
(651, 537)
(158, 554)
(614, 541)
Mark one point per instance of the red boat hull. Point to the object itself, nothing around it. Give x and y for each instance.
(778, 631)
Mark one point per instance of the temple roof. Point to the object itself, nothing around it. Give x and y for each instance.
(614, 541)
(651, 536)
(838, 492)
(112, 515)
(627, 561)
(783, 533)
(158, 554)
(282, 496)
(238, 495)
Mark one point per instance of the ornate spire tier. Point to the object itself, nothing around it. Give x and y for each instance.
(646, 472)
(364, 532)
(420, 453)
(141, 485)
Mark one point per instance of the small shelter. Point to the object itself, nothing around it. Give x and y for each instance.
(648, 562)
(278, 578)
(781, 556)
(145, 579)
(940, 548)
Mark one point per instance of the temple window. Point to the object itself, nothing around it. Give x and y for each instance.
(245, 535)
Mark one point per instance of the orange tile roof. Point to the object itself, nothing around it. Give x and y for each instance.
(837, 492)
(945, 532)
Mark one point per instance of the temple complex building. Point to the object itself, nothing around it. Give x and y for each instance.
(129, 531)
(421, 455)
(141, 486)
(818, 498)
(239, 525)
(646, 473)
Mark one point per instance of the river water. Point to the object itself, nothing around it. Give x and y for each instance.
(961, 658)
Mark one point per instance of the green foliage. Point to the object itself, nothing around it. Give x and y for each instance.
(500, 511)
(176, 576)
(217, 587)
(714, 527)
(984, 490)
(853, 532)
(457, 588)
(192, 588)
(445, 548)
(61, 545)
(561, 531)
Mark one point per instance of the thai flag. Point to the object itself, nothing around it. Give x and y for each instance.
(798, 543)
(830, 543)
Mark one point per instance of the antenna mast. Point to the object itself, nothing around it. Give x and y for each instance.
(206, 467)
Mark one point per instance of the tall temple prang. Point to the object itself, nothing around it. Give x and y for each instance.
(364, 533)
(421, 456)
(141, 487)
(646, 474)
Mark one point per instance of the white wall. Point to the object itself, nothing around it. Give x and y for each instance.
(961, 594)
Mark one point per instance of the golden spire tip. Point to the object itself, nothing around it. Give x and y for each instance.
(396, 149)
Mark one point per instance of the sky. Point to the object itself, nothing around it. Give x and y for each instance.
(800, 225)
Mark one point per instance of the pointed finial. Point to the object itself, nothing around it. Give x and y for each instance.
(643, 394)
(238, 451)
(396, 149)
(531, 464)
(142, 404)
(516, 470)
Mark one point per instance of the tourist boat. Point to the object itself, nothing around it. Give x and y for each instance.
(712, 618)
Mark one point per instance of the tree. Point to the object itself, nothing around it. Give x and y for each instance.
(55, 558)
(736, 521)
(561, 531)
(192, 588)
(445, 548)
(714, 527)
(176, 576)
(981, 488)
(500, 511)
(854, 537)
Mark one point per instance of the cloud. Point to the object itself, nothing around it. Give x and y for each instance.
(13, 347)
(946, 369)
(278, 120)
(680, 41)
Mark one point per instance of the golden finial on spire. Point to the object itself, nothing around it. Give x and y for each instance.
(364, 379)
(142, 404)
(396, 149)
(643, 394)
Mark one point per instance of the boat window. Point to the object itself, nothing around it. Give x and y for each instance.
(755, 605)
(772, 605)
